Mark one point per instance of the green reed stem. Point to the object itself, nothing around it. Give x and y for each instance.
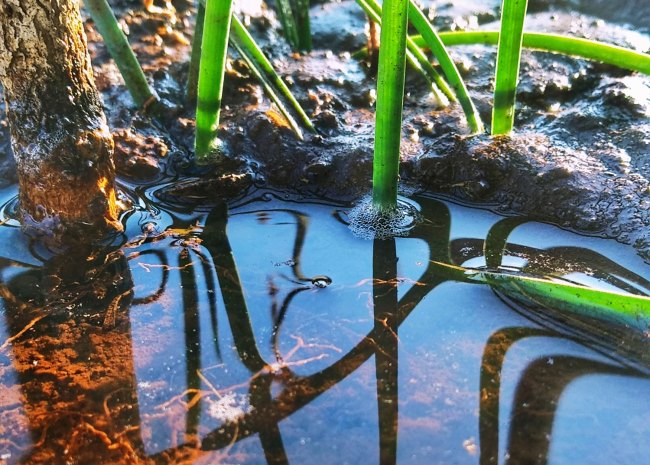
(513, 13)
(118, 47)
(303, 25)
(246, 42)
(573, 46)
(288, 21)
(431, 38)
(214, 48)
(414, 56)
(195, 57)
(390, 98)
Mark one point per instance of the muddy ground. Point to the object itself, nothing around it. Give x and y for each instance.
(580, 157)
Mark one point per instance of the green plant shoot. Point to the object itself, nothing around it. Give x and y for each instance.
(214, 48)
(294, 16)
(195, 56)
(613, 307)
(507, 71)
(431, 38)
(415, 57)
(120, 50)
(247, 43)
(390, 99)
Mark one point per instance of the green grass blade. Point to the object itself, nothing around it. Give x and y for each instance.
(513, 13)
(431, 38)
(195, 57)
(614, 307)
(258, 74)
(438, 84)
(390, 97)
(118, 47)
(246, 42)
(214, 47)
(289, 26)
(556, 43)
(303, 26)
(414, 56)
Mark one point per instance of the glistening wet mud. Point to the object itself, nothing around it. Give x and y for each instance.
(265, 331)
(579, 157)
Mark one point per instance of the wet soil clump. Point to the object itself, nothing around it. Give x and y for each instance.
(580, 156)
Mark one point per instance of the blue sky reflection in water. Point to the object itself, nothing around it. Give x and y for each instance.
(181, 357)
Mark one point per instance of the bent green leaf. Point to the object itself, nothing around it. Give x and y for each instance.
(556, 43)
(614, 307)
(432, 40)
(247, 43)
(415, 57)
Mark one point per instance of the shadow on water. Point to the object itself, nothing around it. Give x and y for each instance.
(122, 355)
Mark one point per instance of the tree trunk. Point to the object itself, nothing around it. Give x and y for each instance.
(60, 139)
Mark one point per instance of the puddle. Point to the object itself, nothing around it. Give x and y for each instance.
(266, 332)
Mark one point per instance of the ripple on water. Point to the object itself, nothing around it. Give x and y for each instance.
(368, 222)
(9, 212)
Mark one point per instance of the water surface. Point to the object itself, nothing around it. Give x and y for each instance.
(264, 331)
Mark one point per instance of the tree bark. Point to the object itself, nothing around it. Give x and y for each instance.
(60, 139)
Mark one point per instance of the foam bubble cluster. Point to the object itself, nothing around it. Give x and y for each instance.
(369, 222)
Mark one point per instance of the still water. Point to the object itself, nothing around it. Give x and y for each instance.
(265, 332)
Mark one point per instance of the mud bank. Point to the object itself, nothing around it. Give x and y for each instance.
(580, 157)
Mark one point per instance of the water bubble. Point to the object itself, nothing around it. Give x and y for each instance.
(321, 281)
(368, 222)
(267, 197)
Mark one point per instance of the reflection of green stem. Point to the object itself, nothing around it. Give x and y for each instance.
(494, 355)
(214, 48)
(192, 339)
(216, 241)
(301, 390)
(384, 291)
(269, 430)
(527, 445)
(537, 398)
(212, 300)
(119, 48)
(495, 242)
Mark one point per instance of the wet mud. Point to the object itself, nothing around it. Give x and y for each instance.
(580, 156)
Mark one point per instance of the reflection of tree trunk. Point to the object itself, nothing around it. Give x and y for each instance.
(59, 135)
(75, 365)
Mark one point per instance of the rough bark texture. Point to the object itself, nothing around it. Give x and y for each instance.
(59, 134)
